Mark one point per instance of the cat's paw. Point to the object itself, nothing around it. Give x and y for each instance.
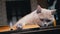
(19, 26)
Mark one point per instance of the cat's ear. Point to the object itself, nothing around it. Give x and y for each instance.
(53, 11)
(38, 9)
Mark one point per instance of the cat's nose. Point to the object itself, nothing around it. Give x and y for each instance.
(45, 25)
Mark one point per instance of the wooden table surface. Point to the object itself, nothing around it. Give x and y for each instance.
(7, 28)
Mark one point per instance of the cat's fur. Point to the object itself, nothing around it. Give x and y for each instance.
(36, 16)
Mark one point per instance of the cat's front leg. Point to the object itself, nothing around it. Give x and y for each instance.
(20, 26)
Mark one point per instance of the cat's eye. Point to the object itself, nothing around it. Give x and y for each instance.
(42, 19)
(48, 20)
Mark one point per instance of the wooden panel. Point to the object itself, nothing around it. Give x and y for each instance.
(7, 28)
(3, 18)
(43, 3)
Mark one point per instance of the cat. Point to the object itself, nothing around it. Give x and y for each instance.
(40, 16)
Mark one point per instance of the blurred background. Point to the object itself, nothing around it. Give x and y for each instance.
(13, 10)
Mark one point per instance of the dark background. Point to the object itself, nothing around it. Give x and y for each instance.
(17, 9)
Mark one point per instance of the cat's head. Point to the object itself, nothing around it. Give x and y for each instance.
(45, 15)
